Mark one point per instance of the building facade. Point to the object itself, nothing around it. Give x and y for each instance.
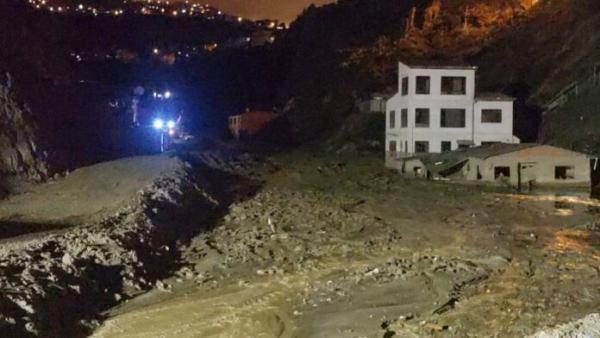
(436, 109)
(250, 123)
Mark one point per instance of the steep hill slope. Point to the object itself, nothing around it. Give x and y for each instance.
(19, 154)
(529, 49)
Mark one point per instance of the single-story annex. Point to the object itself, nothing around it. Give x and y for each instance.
(518, 165)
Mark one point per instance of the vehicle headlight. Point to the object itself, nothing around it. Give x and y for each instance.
(171, 124)
(158, 124)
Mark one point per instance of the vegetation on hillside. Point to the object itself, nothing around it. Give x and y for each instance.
(528, 49)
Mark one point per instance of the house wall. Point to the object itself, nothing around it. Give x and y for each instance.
(250, 123)
(406, 167)
(494, 132)
(545, 158)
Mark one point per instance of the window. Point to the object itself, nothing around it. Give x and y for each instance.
(489, 143)
(564, 172)
(404, 86)
(404, 118)
(446, 146)
(423, 85)
(392, 119)
(406, 146)
(392, 147)
(422, 118)
(453, 118)
(501, 172)
(454, 85)
(491, 116)
(421, 147)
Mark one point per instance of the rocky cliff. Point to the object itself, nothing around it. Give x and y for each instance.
(19, 155)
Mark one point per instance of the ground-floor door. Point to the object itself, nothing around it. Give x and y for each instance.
(527, 172)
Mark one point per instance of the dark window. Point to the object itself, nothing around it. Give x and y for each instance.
(392, 147)
(404, 118)
(501, 172)
(423, 85)
(564, 172)
(406, 146)
(454, 85)
(489, 143)
(453, 118)
(422, 118)
(446, 146)
(421, 147)
(404, 86)
(491, 116)
(392, 119)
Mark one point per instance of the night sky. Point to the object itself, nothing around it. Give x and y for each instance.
(284, 10)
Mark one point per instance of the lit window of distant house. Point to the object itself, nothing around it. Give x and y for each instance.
(453, 118)
(491, 116)
(421, 146)
(392, 119)
(422, 118)
(454, 85)
(404, 118)
(423, 85)
(404, 86)
(446, 146)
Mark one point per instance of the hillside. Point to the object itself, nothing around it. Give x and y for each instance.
(527, 49)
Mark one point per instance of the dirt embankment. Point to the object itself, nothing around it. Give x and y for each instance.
(122, 240)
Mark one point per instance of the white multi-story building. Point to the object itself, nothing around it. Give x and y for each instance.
(436, 110)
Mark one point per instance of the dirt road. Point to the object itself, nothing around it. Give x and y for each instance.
(340, 247)
(85, 196)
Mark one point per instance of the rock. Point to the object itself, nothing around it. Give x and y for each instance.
(23, 304)
(67, 260)
(117, 297)
(30, 327)
(162, 286)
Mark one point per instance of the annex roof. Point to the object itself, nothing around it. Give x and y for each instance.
(438, 163)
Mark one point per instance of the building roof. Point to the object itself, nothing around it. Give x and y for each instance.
(439, 65)
(496, 149)
(493, 97)
(438, 163)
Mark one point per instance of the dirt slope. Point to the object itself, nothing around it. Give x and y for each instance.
(122, 220)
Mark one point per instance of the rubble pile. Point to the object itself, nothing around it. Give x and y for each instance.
(243, 164)
(589, 326)
(290, 230)
(51, 281)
